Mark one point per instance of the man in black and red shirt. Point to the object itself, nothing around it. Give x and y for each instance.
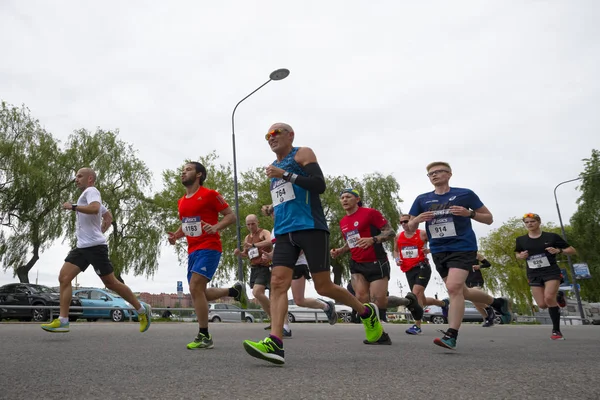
(364, 230)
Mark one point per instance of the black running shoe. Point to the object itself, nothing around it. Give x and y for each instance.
(491, 316)
(560, 299)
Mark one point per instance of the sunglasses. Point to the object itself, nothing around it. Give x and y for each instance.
(437, 171)
(531, 215)
(404, 222)
(273, 133)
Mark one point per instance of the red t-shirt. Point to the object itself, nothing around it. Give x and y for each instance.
(410, 250)
(364, 223)
(204, 205)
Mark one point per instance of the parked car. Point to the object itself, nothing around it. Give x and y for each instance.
(221, 312)
(305, 314)
(27, 294)
(92, 297)
(434, 314)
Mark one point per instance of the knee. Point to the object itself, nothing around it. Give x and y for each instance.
(323, 287)
(258, 291)
(299, 300)
(549, 300)
(455, 289)
(64, 279)
(279, 283)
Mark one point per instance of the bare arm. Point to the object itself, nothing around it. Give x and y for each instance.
(107, 220)
(483, 215)
(387, 233)
(92, 208)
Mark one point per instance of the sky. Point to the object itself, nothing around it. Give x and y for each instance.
(505, 91)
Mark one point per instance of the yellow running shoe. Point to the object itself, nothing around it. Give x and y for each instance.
(146, 318)
(56, 326)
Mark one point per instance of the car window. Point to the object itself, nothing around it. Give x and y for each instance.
(220, 306)
(97, 295)
(233, 307)
(7, 289)
(22, 289)
(84, 294)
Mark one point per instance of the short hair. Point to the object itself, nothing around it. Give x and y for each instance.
(440, 163)
(405, 215)
(199, 168)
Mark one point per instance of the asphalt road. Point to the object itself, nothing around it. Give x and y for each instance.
(115, 361)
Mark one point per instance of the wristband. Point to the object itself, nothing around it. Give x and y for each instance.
(293, 178)
(473, 213)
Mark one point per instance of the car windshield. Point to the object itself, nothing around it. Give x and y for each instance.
(42, 289)
(113, 294)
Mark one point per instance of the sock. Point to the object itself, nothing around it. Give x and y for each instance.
(64, 320)
(366, 313)
(383, 314)
(232, 292)
(497, 303)
(453, 333)
(277, 341)
(555, 317)
(141, 310)
(286, 326)
(204, 331)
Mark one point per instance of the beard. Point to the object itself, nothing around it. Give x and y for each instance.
(188, 181)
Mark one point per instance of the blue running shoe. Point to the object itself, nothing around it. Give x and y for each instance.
(445, 308)
(446, 342)
(414, 330)
(287, 333)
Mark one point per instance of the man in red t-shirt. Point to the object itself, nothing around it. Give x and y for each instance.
(410, 254)
(364, 230)
(199, 213)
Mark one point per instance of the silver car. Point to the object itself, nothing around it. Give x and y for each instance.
(297, 313)
(434, 314)
(220, 312)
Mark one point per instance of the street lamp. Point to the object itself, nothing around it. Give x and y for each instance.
(276, 75)
(562, 228)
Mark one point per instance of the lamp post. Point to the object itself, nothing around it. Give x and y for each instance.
(562, 228)
(276, 75)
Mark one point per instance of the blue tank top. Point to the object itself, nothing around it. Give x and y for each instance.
(296, 209)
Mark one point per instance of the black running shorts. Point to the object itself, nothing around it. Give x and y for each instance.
(301, 271)
(454, 259)
(260, 276)
(372, 271)
(420, 275)
(314, 243)
(95, 255)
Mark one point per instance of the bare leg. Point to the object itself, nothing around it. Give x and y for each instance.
(361, 288)
(258, 291)
(198, 285)
(216, 293)
(281, 280)
(67, 273)
(112, 283)
(378, 291)
(326, 288)
(480, 306)
(455, 283)
(538, 296)
(298, 287)
(550, 292)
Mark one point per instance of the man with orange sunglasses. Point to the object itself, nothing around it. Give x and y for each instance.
(300, 225)
(540, 249)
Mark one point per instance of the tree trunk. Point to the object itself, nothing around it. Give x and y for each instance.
(23, 270)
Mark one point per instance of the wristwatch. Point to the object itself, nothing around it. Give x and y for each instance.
(74, 207)
(287, 176)
(473, 213)
(375, 240)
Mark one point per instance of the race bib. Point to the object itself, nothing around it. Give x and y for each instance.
(538, 261)
(442, 227)
(282, 191)
(352, 238)
(410, 252)
(253, 252)
(191, 226)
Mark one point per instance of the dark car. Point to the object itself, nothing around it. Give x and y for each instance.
(27, 294)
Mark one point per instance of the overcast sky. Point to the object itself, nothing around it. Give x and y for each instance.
(503, 90)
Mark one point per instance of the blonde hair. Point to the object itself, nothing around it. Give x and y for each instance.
(436, 163)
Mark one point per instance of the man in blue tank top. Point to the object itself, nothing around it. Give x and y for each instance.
(300, 225)
(447, 213)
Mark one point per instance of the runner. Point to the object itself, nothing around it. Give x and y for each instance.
(91, 249)
(539, 249)
(301, 275)
(257, 243)
(447, 213)
(300, 225)
(410, 254)
(475, 281)
(364, 230)
(199, 211)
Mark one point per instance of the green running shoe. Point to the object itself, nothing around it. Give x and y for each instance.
(201, 342)
(266, 350)
(146, 318)
(56, 326)
(373, 328)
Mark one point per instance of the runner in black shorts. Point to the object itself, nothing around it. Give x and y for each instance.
(539, 249)
(447, 213)
(475, 281)
(300, 225)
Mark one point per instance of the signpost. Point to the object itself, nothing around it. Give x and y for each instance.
(180, 291)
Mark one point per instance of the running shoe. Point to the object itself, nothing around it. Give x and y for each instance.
(331, 314)
(560, 299)
(414, 307)
(557, 335)
(287, 333)
(241, 294)
(145, 318)
(266, 350)
(489, 319)
(56, 326)
(384, 339)
(446, 342)
(414, 330)
(505, 311)
(268, 328)
(201, 342)
(373, 328)
(445, 308)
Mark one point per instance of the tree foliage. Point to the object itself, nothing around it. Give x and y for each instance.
(586, 226)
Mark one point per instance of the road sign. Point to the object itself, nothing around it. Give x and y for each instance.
(582, 271)
(566, 288)
(179, 289)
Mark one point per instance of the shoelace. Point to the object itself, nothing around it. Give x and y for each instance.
(269, 344)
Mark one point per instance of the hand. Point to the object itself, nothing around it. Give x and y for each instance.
(426, 251)
(67, 206)
(476, 267)
(208, 228)
(247, 245)
(267, 256)
(335, 253)
(426, 216)
(274, 172)
(552, 250)
(523, 255)
(172, 237)
(460, 211)
(365, 243)
(236, 252)
(398, 261)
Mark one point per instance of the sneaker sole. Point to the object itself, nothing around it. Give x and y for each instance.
(56, 330)
(272, 358)
(332, 307)
(442, 344)
(201, 348)
(413, 333)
